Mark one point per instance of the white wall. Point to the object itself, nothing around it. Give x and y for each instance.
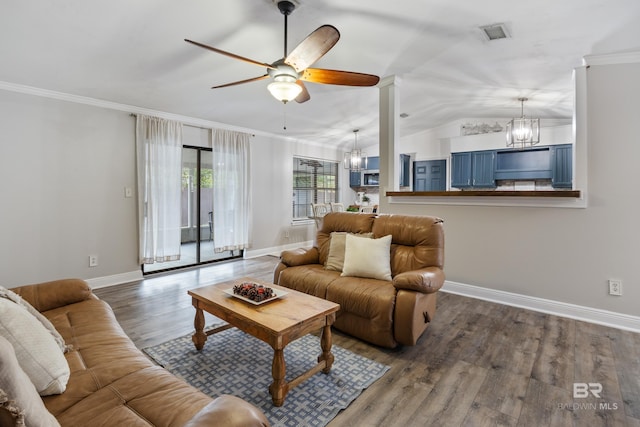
(272, 182)
(439, 143)
(562, 254)
(63, 170)
(489, 141)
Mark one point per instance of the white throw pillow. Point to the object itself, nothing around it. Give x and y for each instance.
(9, 294)
(38, 353)
(17, 393)
(365, 257)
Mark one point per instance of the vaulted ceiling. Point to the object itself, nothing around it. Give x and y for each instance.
(134, 53)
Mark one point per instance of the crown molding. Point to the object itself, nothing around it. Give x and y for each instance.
(612, 58)
(132, 109)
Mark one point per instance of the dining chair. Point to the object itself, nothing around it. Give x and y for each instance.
(319, 210)
(337, 207)
(366, 209)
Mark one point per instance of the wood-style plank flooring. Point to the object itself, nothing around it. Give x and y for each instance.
(478, 363)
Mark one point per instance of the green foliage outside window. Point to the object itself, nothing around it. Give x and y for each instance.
(206, 177)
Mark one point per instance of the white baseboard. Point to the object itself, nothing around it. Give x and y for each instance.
(132, 276)
(572, 311)
(276, 250)
(116, 279)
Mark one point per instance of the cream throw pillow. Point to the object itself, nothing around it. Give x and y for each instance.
(335, 259)
(365, 257)
(17, 394)
(36, 350)
(9, 294)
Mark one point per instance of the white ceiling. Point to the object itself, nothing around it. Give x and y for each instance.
(132, 52)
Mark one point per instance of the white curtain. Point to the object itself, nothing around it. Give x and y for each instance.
(231, 190)
(159, 158)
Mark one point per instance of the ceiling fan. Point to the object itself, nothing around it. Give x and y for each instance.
(290, 72)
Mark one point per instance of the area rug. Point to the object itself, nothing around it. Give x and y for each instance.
(236, 363)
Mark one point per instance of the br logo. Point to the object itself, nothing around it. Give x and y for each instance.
(582, 390)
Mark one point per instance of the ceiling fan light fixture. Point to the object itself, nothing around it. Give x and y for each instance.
(284, 88)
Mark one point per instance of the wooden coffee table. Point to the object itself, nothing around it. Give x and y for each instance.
(277, 322)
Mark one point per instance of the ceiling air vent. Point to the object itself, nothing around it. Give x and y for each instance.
(495, 32)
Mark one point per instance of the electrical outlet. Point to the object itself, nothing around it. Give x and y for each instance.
(615, 287)
(93, 260)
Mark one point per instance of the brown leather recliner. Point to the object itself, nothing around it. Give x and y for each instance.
(385, 313)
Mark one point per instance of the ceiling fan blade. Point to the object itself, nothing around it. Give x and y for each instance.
(336, 77)
(253, 79)
(304, 95)
(232, 55)
(313, 47)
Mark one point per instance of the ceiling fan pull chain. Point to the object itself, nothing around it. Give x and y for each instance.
(284, 116)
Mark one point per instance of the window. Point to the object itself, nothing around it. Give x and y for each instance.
(314, 181)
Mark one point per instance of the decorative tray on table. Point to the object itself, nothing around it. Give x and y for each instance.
(254, 293)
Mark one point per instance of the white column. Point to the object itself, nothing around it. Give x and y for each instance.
(389, 136)
(580, 137)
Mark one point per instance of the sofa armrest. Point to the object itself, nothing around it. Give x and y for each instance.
(229, 411)
(300, 257)
(426, 280)
(58, 293)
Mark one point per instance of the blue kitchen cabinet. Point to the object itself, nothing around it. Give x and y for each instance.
(473, 169)
(405, 170)
(562, 166)
(483, 168)
(355, 178)
(529, 164)
(461, 170)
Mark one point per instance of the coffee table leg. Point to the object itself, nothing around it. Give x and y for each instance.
(278, 387)
(199, 337)
(325, 343)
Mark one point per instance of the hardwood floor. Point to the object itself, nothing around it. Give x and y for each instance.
(478, 364)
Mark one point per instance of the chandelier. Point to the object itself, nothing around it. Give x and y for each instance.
(356, 159)
(523, 131)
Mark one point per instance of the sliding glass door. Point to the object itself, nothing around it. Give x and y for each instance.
(197, 212)
(197, 206)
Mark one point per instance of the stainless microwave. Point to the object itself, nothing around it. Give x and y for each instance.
(371, 179)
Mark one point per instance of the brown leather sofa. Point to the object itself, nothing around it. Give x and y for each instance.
(382, 312)
(112, 383)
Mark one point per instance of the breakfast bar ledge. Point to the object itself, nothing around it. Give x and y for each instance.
(505, 198)
(485, 193)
